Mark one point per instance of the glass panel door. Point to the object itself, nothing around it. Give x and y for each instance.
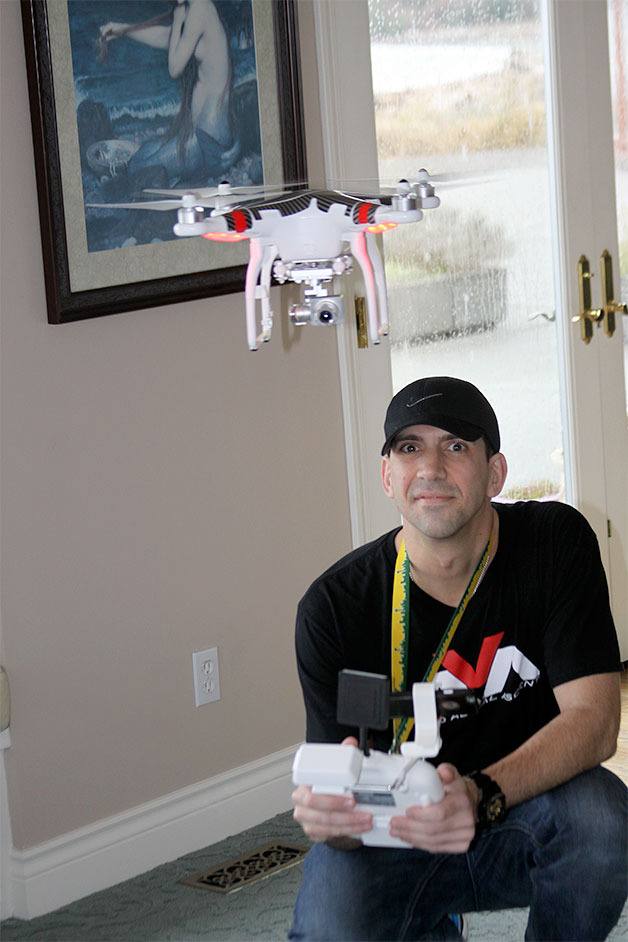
(465, 87)
(459, 89)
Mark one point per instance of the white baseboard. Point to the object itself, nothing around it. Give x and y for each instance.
(6, 889)
(62, 870)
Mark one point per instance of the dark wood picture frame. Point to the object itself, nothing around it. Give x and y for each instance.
(65, 305)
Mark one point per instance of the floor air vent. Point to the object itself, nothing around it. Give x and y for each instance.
(256, 865)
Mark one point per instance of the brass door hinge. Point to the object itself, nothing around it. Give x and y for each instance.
(361, 324)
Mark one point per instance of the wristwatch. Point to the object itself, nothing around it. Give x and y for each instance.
(492, 805)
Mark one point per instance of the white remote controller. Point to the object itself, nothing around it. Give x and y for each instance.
(382, 784)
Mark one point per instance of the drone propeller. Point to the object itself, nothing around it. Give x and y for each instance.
(187, 201)
(222, 190)
(221, 198)
(161, 205)
(402, 186)
(455, 177)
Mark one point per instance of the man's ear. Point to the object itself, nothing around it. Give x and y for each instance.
(386, 476)
(497, 471)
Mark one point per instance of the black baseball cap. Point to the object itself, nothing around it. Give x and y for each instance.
(445, 402)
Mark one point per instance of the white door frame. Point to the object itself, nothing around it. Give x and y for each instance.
(344, 66)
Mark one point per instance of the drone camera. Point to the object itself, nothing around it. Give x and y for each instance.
(328, 310)
(320, 312)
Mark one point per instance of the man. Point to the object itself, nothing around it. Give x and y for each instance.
(529, 818)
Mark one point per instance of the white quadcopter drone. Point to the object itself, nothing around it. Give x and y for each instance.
(309, 237)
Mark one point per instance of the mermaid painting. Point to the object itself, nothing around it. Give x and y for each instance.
(202, 136)
(167, 96)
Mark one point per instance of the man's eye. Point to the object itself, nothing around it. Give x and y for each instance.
(408, 448)
(457, 446)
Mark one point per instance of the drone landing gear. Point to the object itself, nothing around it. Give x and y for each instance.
(260, 264)
(380, 281)
(263, 292)
(365, 251)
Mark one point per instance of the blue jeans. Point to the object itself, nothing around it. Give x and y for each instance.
(563, 854)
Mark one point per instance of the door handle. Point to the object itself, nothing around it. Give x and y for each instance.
(610, 307)
(587, 316)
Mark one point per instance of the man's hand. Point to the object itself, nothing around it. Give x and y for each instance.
(447, 827)
(325, 816)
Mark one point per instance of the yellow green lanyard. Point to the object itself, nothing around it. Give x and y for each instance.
(400, 631)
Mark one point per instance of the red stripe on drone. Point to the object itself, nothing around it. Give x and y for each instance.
(469, 676)
(240, 220)
(363, 212)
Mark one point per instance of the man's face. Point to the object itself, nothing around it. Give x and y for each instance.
(439, 483)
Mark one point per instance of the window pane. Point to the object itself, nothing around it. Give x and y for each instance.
(460, 88)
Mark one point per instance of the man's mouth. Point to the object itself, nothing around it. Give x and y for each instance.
(433, 497)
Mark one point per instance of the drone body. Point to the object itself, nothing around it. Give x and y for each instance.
(309, 237)
(310, 234)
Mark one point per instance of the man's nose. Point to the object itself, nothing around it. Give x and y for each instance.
(432, 465)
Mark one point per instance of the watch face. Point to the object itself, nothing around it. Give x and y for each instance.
(492, 806)
(495, 808)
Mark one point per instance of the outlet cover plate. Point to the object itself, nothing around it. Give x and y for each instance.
(206, 676)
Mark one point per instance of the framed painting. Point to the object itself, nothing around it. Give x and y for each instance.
(129, 95)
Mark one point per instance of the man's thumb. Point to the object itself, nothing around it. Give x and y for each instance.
(447, 773)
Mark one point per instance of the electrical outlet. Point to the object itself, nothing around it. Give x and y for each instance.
(206, 676)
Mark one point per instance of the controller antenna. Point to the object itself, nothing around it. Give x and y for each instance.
(363, 702)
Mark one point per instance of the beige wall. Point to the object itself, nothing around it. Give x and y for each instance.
(163, 490)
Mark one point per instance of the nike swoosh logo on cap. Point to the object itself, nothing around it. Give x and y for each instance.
(417, 401)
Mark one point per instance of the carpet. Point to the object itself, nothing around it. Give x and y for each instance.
(156, 906)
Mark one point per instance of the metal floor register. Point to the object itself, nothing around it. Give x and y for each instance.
(256, 865)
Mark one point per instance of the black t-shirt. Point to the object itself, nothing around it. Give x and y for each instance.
(539, 618)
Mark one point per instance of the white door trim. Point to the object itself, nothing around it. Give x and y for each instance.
(344, 62)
